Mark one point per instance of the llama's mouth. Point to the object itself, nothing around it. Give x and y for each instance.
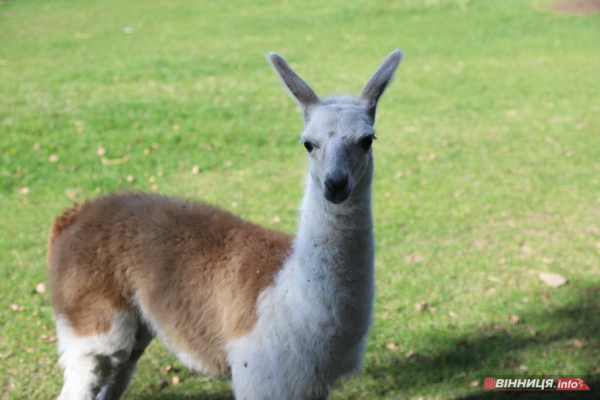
(337, 196)
(337, 187)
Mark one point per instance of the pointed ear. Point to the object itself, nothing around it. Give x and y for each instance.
(379, 81)
(305, 96)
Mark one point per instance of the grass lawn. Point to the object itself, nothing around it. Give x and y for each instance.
(487, 168)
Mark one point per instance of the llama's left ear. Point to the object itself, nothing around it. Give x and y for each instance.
(379, 81)
(305, 96)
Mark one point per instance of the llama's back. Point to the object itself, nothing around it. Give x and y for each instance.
(189, 268)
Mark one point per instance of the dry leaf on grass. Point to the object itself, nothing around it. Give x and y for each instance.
(513, 319)
(526, 248)
(532, 331)
(48, 338)
(491, 290)
(392, 347)
(477, 243)
(498, 327)
(552, 279)
(413, 257)
(40, 288)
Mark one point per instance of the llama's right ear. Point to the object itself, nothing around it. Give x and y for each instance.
(305, 96)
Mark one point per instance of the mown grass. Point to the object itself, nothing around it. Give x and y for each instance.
(487, 168)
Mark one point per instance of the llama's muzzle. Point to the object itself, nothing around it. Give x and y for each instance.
(337, 188)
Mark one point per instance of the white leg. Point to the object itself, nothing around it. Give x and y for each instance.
(85, 375)
(91, 361)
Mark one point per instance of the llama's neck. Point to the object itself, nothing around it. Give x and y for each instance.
(335, 241)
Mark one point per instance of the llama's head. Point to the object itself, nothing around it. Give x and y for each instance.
(339, 130)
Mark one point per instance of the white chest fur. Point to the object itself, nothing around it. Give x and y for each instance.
(313, 321)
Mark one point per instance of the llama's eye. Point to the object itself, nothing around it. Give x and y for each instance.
(367, 142)
(309, 146)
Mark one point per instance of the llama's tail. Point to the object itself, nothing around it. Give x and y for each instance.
(63, 222)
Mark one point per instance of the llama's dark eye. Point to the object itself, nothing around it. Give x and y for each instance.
(308, 145)
(367, 142)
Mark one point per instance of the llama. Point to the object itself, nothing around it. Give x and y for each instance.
(283, 317)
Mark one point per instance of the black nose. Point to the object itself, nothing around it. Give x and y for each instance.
(336, 183)
(336, 188)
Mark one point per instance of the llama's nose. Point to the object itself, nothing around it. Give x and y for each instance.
(336, 188)
(336, 183)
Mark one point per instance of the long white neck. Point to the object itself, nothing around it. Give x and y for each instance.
(335, 241)
(320, 307)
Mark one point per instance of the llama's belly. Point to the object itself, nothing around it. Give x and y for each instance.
(196, 353)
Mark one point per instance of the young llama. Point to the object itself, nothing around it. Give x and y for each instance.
(284, 317)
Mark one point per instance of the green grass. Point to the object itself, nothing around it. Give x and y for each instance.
(487, 168)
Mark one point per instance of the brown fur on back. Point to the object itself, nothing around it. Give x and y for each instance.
(195, 270)
(62, 222)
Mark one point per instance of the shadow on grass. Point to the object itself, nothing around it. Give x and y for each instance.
(475, 354)
(226, 395)
(195, 390)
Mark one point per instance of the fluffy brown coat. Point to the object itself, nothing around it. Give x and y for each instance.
(195, 269)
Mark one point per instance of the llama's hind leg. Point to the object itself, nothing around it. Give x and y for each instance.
(91, 361)
(117, 385)
(84, 376)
